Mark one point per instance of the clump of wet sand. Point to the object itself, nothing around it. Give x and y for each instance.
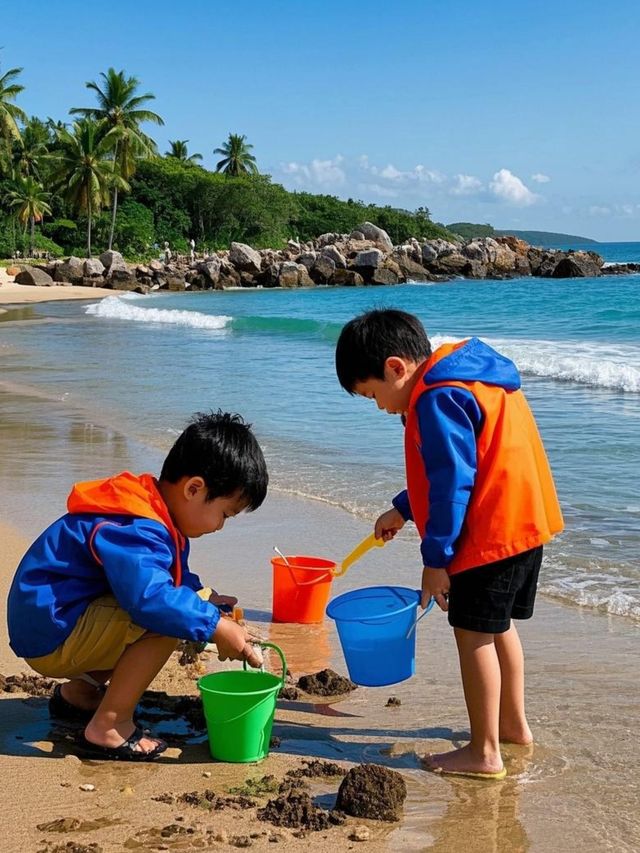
(372, 791)
(326, 683)
(296, 810)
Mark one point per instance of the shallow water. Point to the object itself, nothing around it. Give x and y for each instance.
(127, 372)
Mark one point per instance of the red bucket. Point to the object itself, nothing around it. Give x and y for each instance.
(301, 589)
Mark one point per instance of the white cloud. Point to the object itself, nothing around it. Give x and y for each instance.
(539, 178)
(320, 173)
(378, 189)
(508, 187)
(599, 210)
(465, 185)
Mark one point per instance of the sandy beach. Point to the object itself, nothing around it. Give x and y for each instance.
(576, 789)
(20, 294)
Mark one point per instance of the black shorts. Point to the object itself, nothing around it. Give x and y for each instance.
(487, 598)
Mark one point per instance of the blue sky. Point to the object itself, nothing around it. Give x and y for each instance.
(522, 114)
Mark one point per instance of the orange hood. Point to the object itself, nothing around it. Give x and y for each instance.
(127, 494)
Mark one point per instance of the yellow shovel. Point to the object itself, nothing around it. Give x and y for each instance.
(358, 552)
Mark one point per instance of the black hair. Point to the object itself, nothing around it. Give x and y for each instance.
(367, 341)
(220, 448)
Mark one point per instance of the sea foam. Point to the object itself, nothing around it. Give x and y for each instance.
(115, 308)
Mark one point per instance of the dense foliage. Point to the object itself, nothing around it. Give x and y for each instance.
(68, 188)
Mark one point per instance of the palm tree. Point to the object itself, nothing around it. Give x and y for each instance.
(31, 203)
(84, 168)
(179, 151)
(9, 112)
(237, 159)
(30, 150)
(120, 108)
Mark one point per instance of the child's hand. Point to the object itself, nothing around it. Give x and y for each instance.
(232, 641)
(226, 601)
(389, 523)
(435, 584)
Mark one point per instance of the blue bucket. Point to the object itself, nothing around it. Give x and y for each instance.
(376, 626)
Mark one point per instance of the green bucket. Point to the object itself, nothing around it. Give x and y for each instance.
(239, 706)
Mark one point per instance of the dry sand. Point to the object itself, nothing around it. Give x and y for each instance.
(19, 294)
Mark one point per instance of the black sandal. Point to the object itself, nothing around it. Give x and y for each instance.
(126, 751)
(60, 709)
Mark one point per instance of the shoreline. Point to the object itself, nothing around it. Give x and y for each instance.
(14, 295)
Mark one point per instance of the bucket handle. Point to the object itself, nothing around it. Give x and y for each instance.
(282, 658)
(323, 577)
(432, 601)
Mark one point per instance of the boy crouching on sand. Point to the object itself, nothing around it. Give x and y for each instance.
(480, 492)
(105, 593)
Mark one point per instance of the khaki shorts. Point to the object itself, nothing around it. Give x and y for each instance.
(99, 639)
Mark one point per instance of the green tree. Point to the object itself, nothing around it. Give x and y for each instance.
(122, 110)
(84, 169)
(30, 202)
(9, 112)
(179, 151)
(236, 157)
(29, 152)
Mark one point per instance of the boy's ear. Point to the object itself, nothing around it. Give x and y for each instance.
(395, 367)
(192, 487)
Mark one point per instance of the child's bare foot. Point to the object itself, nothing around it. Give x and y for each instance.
(118, 734)
(465, 761)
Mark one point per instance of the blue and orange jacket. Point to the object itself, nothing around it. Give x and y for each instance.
(479, 485)
(116, 538)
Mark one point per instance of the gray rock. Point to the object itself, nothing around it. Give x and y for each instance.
(156, 266)
(429, 253)
(112, 261)
(578, 265)
(370, 258)
(383, 275)
(373, 233)
(308, 259)
(323, 269)
(304, 279)
(244, 258)
(336, 256)
(93, 267)
(289, 274)
(210, 269)
(347, 278)
(409, 269)
(70, 270)
(34, 276)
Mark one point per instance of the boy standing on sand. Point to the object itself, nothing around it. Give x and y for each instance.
(105, 593)
(480, 492)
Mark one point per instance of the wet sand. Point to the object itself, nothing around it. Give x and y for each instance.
(576, 789)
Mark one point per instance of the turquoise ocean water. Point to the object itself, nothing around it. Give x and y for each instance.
(138, 366)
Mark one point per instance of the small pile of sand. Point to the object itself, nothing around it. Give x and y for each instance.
(314, 767)
(326, 683)
(372, 791)
(296, 810)
(34, 685)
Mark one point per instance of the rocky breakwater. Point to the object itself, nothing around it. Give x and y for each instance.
(366, 256)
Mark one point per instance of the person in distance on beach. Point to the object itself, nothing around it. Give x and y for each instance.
(480, 492)
(104, 594)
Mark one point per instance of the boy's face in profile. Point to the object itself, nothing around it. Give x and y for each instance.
(393, 392)
(196, 516)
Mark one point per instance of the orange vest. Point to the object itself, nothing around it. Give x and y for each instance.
(126, 494)
(513, 505)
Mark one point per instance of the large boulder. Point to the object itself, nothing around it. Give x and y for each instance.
(335, 255)
(578, 265)
(122, 280)
(409, 269)
(383, 275)
(70, 270)
(93, 267)
(371, 232)
(34, 276)
(289, 274)
(307, 258)
(370, 258)
(113, 262)
(210, 269)
(429, 253)
(452, 263)
(347, 278)
(520, 247)
(244, 258)
(323, 269)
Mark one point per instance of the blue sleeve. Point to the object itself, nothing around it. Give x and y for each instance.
(189, 578)
(137, 559)
(401, 503)
(448, 420)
